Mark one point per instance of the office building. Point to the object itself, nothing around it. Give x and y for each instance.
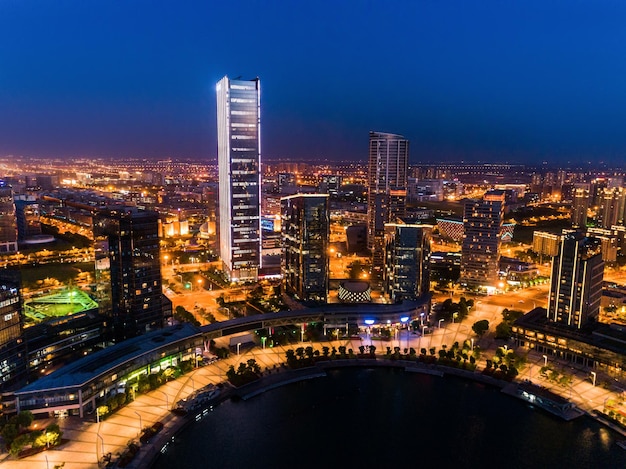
(13, 358)
(128, 271)
(576, 281)
(305, 221)
(239, 160)
(407, 262)
(387, 191)
(480, 248)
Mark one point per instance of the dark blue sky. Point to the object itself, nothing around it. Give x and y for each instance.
(516, 81)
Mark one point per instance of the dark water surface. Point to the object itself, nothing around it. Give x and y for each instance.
(384, 418)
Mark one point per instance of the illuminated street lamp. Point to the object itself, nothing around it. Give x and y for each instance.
(405, 320)
(140, 424)
(440, 321)
(593, 374)
(200, 281)
(545, 360)
(238, 346)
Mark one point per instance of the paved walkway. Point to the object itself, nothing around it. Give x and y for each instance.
(89, 441)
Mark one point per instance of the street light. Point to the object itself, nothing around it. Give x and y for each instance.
(140, 424)
(238, 345)
(454, 315)
(440, 321)
(593, 373)
(263, 339)
(102, 443)
(167, 399)
(545, 360)
(199, 283)
(472, 343)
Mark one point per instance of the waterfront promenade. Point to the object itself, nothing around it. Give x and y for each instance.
(89, 441)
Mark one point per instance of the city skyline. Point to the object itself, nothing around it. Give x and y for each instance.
(489, 82)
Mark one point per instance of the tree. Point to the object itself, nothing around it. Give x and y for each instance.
(19, 443)
(503, 331)
(24, 419)
(9, 432)
(480, 327)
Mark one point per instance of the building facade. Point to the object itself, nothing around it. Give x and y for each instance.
(13, 358)
(8, 222)
(239, 160)
(576, 281)
(387, 191)
(407, 262)
(305, 238)
(480, 249)
(580, 205)
(128, 271)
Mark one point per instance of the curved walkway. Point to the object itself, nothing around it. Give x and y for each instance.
(89, 441)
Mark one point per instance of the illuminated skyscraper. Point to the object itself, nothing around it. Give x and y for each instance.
(239, 159)
(128, 271)
(13, 357)
(407, 259)
(305, 221)
(576, 280)
(387, 191)
(480, 249)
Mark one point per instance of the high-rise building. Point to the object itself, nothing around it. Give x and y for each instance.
(13, 357)
(27, 216)
(305, 220)
(239, 160)
(580, 205)
(407, 261)
(546, 244)
(128, 271)
(387, 191)
(611, 210)
(8, 223)
(480, 248)
(576, 281)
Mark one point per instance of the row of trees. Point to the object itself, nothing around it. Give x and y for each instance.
(503, 365)
(459, 311)
(244, 374)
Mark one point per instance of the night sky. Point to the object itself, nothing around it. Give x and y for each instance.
(508, 81)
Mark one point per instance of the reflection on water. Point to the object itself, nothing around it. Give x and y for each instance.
(380, 418)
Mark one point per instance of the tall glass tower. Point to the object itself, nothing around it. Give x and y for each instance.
(386, 191)
(128, 271)
(305, 235)
(239, 159)
(576, 280)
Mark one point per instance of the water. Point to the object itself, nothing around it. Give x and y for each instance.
(382, 418)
